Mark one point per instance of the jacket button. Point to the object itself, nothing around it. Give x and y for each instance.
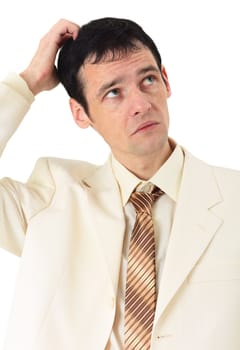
(164, 336)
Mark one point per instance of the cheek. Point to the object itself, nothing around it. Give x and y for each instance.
(117, 135)
(109, 121)
(162, 107)
(109, 130)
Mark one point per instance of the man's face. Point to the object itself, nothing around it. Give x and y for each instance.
(127, 101)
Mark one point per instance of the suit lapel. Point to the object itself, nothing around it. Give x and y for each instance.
(108, 220)
(193, 229)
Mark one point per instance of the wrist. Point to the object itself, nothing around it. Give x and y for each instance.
(31, 82)
(17, 83)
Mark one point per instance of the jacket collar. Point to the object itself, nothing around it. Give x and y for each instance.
(194, 226)
(108, 219)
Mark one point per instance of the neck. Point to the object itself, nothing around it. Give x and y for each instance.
(145, 166)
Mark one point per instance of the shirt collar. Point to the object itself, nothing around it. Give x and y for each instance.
(167, 178)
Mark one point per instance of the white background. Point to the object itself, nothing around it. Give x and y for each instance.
(199, 44)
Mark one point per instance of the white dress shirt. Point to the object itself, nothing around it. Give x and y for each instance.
(167, 178)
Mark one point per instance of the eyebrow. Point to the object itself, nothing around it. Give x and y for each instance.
(108, 86)
(147, 69)
(117, 81)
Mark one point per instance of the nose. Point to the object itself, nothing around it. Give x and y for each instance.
(138, 103)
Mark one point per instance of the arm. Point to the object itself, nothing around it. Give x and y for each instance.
(41, 75)
(19, 202)
(17, 92)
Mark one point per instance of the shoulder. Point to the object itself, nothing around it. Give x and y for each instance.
(195, 161)
(59, 170)
(226, 178)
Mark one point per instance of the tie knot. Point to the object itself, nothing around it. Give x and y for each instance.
(143, 201)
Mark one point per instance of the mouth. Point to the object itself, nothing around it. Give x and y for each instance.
(147, 126)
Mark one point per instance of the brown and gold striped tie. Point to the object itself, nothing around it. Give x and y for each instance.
(140, 298)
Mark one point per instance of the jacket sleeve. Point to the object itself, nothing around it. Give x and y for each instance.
(19, 202)
(15, 101)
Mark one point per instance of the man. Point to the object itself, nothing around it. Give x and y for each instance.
(73, 222)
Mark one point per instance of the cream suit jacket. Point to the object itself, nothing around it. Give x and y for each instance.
(67, 224)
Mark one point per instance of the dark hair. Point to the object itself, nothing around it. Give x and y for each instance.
(96, 40)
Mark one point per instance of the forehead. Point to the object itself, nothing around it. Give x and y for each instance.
(118, 65)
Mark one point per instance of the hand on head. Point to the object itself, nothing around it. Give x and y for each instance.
(41, 74)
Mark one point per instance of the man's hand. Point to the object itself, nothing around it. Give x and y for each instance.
(41, 75)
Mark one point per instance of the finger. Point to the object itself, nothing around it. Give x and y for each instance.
(67, 28)
(68, 34)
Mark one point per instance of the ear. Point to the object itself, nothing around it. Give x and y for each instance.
(79, 115)
(166, 81)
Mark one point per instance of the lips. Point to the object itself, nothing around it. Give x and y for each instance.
(145, 127)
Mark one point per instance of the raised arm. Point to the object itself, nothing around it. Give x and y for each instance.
(19, 202)
(40, 75)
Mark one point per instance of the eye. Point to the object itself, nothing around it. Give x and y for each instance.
(149, 80)
(112, 93)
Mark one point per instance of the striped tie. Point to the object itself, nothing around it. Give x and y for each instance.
(140, 299)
